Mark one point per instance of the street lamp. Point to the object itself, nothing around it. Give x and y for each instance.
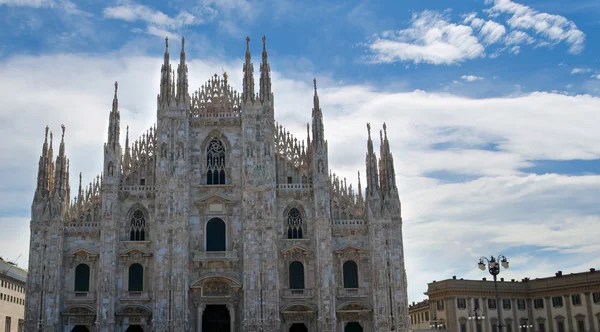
(436, 323)
(524, 326)
(476, 317)
(494, 269)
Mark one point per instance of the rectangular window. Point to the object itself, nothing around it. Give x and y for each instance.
(560, 325)
(580, 326)
(461, 303)
(521, 304)
(494, 327)
(440, 304)
(576, 299)
(476, 303)
(538, 303)
(491, 303)
(541, 327)
(21, 325)
(596, 297)
(289, 179)
(426, 316)
(506, 304)
(463, 327)
(557, 301)
(7, 324)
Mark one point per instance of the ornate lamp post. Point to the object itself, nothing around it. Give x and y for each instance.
(493, 265)
(524, 326)
(436, 323)
(476, 317)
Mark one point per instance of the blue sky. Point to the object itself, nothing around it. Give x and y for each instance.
(492, 107)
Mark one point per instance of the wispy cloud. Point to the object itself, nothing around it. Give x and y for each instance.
(430, 39)
(158, 23)
(64, 5)
(471, 78)
(553, 29)
(433, 38)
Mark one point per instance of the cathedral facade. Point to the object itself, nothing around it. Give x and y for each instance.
(216, 219)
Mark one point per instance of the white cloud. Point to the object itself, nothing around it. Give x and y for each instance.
(517, 37)
(159, 23)
(492, 32)
(554, 28)
(429, 132)
(28, 3)
(471, 78)
(430, 39)
(581, 71)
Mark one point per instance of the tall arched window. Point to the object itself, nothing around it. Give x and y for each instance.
(137, 230)
(350, 274)
(294, 224)
(82, 278)
(215, 163)
(216, 235)
(296, 275)
(136, 278)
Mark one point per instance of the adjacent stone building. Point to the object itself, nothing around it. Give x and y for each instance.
(562, 303)
(12, 296)
(216, 219)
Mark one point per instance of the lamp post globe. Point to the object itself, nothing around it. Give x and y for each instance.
(494, 270)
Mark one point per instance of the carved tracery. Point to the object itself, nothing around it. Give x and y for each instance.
(215, 163)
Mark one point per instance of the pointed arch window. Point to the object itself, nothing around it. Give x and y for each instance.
(350, 274)
(295, 224)
(215, 163)
(296, 275)
(82, 278)
(137, 230)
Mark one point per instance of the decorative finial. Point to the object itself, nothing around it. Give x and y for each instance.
(225, 75)
(116, 87)
(46, 133)
(315, 84)
(369, 129)
(247, 42)
(63, 131)
(264, 40)
(385, 130)
(167, 43)
(182, 43)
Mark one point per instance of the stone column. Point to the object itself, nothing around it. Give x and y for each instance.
(484, 305)
(200, 311)
(590, 314)
(231, 317)
(567, 299)
(550, 321)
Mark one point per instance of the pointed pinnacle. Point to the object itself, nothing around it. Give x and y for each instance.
(182, 44)
(167, 44)
(369, 129)
(264, 40)
(116, 88)
(63, 133)
(315, 85)
(46, 139)
(247, 43)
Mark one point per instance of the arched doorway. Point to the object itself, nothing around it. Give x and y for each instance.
(298, 327)
(80, 328)
(134, 328)
(216, 235)
(353, 327)
(215, 318)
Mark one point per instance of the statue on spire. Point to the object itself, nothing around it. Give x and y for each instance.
(248, 82)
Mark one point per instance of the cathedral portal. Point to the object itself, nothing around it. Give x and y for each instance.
(216, 319)
(298, 327)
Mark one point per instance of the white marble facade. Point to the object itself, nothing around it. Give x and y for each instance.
(216, 219)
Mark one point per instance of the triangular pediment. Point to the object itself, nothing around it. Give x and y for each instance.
(352, 306)
(295, 248)
(81, 252)
(135, 252)
(214, 199)
(350, 248)
(295, 307)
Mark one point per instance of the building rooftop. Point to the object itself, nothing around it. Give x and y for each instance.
(556, 283)
(11, 270)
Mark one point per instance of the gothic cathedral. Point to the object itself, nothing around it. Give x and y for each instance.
(216, 220)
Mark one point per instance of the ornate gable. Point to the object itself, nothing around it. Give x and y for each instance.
(81, 255)
(296, 252)
(135, 255)
(350, 252)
